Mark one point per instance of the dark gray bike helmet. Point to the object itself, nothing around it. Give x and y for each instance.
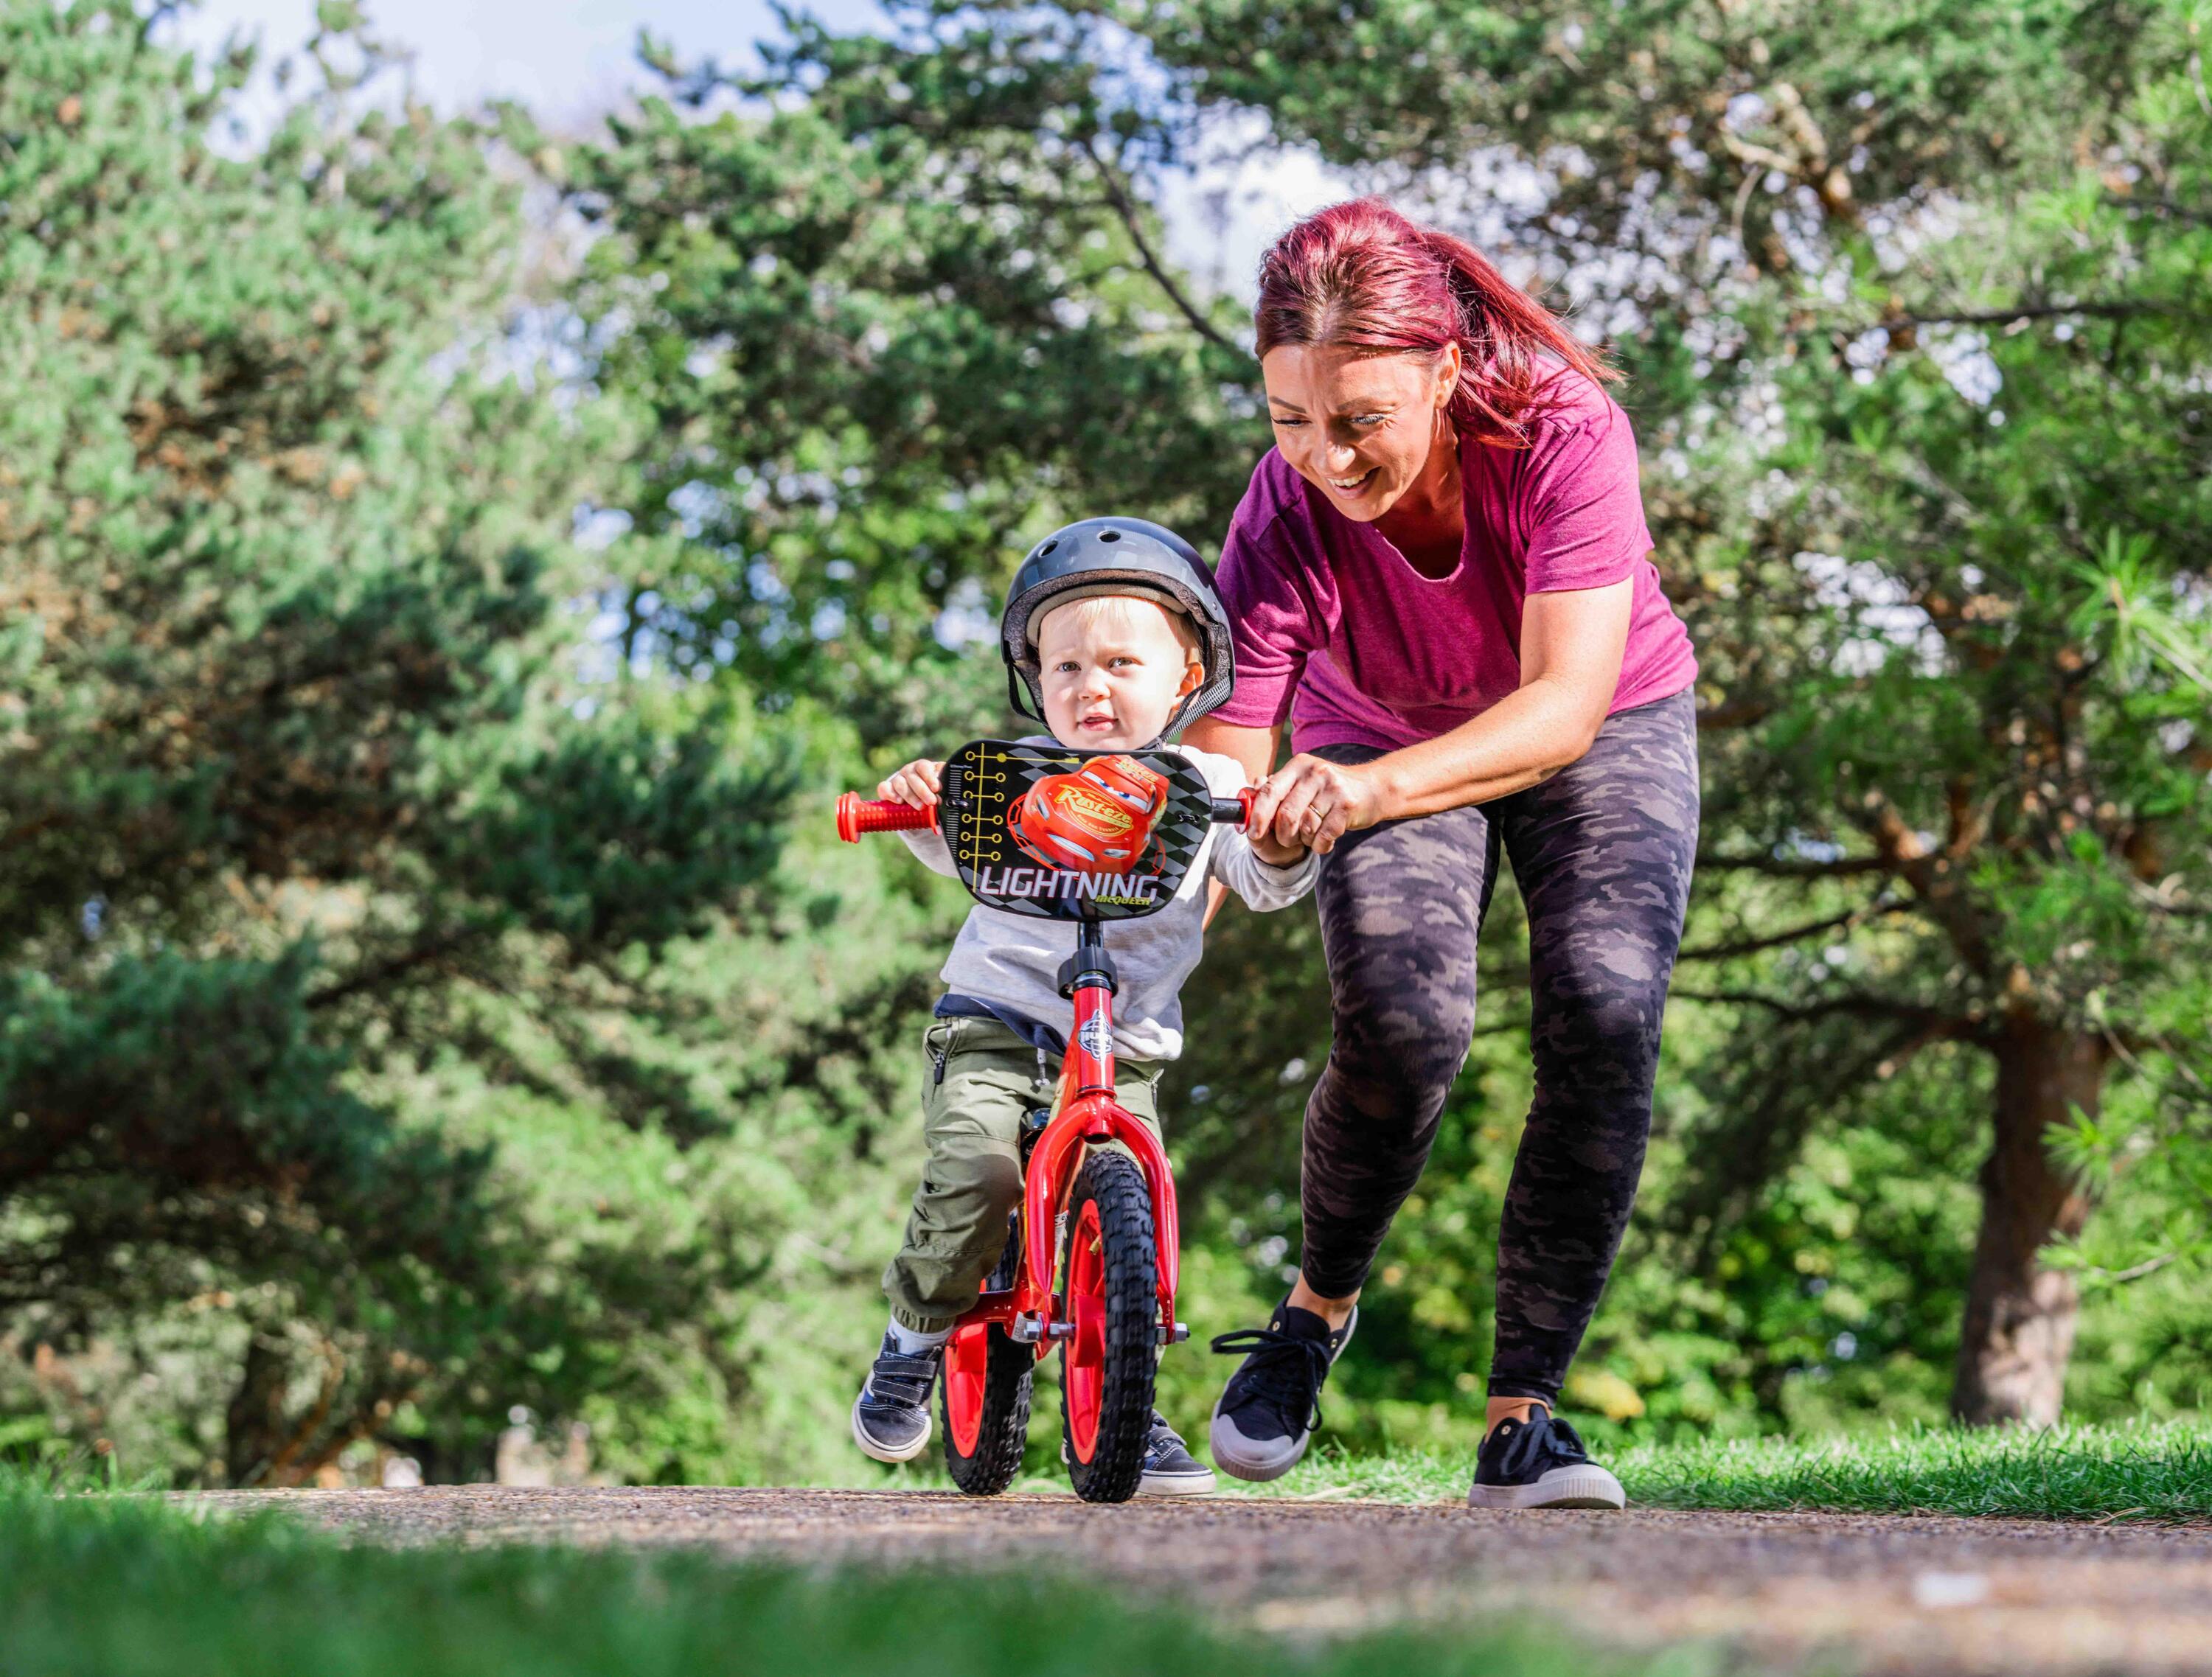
(1115, 555)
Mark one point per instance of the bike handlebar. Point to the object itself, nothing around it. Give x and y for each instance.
(1234, 811)
(857, 814)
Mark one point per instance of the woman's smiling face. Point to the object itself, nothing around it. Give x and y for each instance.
(1357, 425)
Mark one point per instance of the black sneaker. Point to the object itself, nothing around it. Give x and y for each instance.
(1540, 1463)
(1171, 1470)
(1272, 1404)
(890, 1417)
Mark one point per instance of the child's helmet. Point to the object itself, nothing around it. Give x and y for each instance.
(1115, 555)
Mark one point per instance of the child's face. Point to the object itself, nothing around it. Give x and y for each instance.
(1112, 669)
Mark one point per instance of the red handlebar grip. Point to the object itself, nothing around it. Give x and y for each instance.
(857, 814)
(1245, 798)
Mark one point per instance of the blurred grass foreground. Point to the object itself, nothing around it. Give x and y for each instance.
(100, 1585)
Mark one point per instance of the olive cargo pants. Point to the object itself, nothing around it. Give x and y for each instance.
(979, 1079)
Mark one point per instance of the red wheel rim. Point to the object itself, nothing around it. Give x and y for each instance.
(967, 1363)
(1083, 1360)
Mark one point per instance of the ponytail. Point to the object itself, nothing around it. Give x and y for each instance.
(1360, 274)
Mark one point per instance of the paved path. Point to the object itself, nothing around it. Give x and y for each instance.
(1891, 1594)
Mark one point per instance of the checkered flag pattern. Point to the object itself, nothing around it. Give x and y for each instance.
(1067, 853)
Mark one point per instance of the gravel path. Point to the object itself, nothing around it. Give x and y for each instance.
(1886, 1593)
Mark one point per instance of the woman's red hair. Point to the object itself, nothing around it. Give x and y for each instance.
(1360, 274)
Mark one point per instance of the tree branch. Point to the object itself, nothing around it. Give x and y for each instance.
(1933, 1022)
(1850, 917)
(1733, 713)
(2005, 317)
(1127, 213)
(2168, 207)
(1792, 867)
(380, 972)
(1935, 881)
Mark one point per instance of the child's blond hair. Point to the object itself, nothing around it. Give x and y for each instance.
(1094, 610)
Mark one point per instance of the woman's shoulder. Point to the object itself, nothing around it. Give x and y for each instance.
(1571, 401)
(1274, 510)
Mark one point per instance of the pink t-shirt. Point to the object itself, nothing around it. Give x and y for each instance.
(1337, 631)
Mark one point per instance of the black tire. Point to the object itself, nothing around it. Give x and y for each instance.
(1004, 1430)
(1112, 1182)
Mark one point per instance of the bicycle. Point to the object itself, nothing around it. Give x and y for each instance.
(1014, 816)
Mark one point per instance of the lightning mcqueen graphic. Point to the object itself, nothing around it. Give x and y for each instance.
(1098, 818)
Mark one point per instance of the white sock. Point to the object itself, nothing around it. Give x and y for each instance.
(912, 1343)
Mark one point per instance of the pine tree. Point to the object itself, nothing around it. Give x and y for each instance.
(302, 789)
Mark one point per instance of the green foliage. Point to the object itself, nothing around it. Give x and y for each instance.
(882, 331)
(300, 807)
(1953, 676)
(1920, 387)
(425, 993)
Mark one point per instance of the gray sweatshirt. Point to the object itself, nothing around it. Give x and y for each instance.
(1014, 960)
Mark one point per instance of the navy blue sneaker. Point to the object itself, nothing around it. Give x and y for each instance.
(1272, 1405)
(1540, 1463)
(1171, 1470)
(890, 1417)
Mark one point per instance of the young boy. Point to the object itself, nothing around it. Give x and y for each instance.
(1113, 628)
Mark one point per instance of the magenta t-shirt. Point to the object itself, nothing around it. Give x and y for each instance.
(1338, 632)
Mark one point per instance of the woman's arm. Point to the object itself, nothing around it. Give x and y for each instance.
(1252, 749)
(1571, 644)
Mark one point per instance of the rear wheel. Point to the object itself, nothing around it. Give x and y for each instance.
(1109, 1271)
(985, 1395)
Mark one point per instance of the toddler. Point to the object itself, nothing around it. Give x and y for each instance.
(1114, 634)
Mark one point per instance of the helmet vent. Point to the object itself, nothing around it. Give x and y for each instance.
(1109, 535)
(1047, 547)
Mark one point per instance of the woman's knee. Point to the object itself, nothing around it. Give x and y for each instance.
(1395, 1065)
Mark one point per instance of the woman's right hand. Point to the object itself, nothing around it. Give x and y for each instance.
(915, 785)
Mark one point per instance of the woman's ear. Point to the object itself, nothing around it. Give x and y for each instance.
(1447, 370)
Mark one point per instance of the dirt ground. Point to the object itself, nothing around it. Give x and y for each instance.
(1797, 1591)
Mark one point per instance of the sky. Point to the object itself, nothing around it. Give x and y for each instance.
(569, 62)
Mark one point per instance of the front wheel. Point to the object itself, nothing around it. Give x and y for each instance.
(1110, 1271)
(986, 1398)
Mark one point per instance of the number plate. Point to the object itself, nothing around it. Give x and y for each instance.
(1067, 835)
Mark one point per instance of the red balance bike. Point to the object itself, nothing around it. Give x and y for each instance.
(1087, 837)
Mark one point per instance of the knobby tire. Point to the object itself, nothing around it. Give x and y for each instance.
(1005, 1421)
(1112, 1183)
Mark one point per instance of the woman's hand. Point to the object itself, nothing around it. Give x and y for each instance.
(1311, 803)
(915, 786)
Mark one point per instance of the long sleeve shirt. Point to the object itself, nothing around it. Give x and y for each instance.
(1013, 961)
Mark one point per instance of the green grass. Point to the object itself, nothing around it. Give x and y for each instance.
(105, 1586)
(2159, 1474)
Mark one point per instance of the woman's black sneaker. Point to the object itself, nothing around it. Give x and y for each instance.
(1272, 1404)
(890, 1418)
(1540, 1463)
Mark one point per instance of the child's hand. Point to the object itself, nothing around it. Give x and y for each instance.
(1271, 850)
(915, 785)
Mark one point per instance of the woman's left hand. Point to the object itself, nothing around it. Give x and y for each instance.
(1314, 802)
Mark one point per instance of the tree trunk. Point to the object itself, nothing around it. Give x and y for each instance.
(2019, 1328)
(253, 1425)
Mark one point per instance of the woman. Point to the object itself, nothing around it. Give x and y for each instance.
(1441, 579)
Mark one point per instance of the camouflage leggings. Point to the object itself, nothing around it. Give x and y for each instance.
(1603, 853)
